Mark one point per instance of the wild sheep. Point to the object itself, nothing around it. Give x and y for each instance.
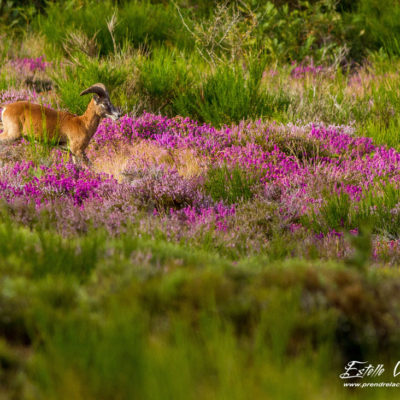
(23, 118)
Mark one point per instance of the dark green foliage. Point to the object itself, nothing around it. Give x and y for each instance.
(132, 325)
(152, 23)
(15, 15)
(371, 25)
(382, 24)
(307, 30)
(91, 19)
(318, 29)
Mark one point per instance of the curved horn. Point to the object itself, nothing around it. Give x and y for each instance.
(97, 88)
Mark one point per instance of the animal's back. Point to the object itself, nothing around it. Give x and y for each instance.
(35, 119)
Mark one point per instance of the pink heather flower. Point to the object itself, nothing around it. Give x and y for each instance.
(30, 64)
(299, 71)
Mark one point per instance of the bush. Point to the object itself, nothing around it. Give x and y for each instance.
(162, 77)
(89, 17)
(231, 94)
(371, 25)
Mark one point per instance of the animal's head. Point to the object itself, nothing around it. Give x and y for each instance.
(104, 107)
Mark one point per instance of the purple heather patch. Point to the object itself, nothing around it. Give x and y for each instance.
(338, 163)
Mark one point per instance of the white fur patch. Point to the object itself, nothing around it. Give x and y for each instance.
(2, 113)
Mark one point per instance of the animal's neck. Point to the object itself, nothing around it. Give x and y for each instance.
(90, 118)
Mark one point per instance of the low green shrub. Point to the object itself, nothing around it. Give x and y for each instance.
(378, 209)
(229, 184)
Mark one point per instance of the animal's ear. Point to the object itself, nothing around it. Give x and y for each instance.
(96, 99)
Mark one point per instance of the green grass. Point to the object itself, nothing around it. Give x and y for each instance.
(229, 185)
(384, 135)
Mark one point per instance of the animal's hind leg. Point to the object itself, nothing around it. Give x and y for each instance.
(10, 133)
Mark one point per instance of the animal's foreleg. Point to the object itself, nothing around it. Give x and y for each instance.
(81, 157)
(78, 152)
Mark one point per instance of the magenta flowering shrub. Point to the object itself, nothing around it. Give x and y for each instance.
(13, 95)
(337, 142)
(215, 215)
(298, 167)
(339, 162)
(30, 64)
(27, 73)
(169, 133)
(71, 196)
(193, 224)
